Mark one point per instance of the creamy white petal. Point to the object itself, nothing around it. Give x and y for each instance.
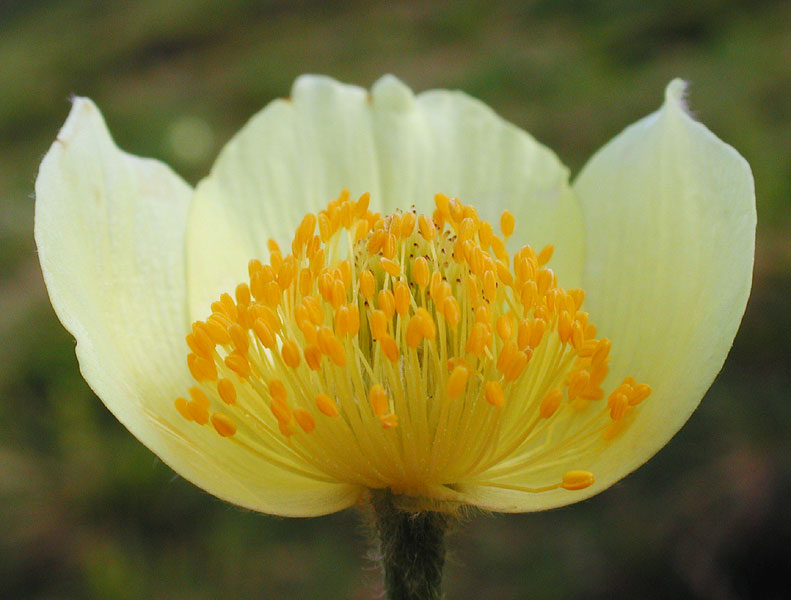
(670, 228)
(295, 156)
(446, 141)
(670, 231)
(110, 235)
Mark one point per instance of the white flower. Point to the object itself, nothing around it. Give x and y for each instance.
(658, 229)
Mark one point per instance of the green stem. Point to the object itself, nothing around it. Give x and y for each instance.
(412, 549)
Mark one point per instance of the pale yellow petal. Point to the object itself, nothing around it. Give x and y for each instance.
(503, 499)
(110, 235)
(670, 225)
(670, 230)
(446, 141)
(291, 158)
(296, 155)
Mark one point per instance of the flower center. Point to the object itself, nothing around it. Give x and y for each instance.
(409, 352)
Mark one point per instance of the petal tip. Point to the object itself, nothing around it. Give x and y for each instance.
(389, 91)
(82, 110)
(310, 82)
(676, 94)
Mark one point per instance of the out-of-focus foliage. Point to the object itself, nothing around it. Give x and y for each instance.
(86, 511)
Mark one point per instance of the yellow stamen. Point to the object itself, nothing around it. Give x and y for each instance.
(227, 391)
(404, 351)
(577, 480)
(326, 405)
(223, 424)
(456, 382)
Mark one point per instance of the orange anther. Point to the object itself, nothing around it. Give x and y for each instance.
(229, 306)
(313, 357)
(353, 326)
(239, 338)
(198, 412)
(390, 245)
(479, 339)
(338, 294)
(537, 330)
(507, 223)
(443, 203)
(641, 392)
(427, 229)
(414, 335)
(223, 424)
(505, 327)
(281, 410)
(378, 321)
(545, 254)
(485, 234)
(506, 356)
(202, 346)
(227, 391)
(361, 206)
(427, 327)
(386, 302)
(377, 396)
(304, 419)
(182, 406)
(577, 335)
(326, 405)
(451, 311)
(498, 247)
(577, 480)
(544, 280)
(277, 390)
(325, 229)
(457, 381)
(389, 347)
(305, 281)
(367, 284)
(336, 352)
(467, 229)
(242, 294)
(275, 259)
(494, 393)
(550, 403)
(403, 298)
(376, 241)
(238, 364)
(503, 273)
(391, 267)
(407, 224)
(420, 272)
(217, 328)
(264, 334)
(361, 229)
(456, 210)
(201, 368)
(272, 294)
(290, 353)
(518, 364)
(564, 327)
(254, 266)
(389, 420)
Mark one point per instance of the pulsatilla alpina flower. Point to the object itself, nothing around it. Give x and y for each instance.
(388, 291)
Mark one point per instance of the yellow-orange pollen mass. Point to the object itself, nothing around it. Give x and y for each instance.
(409, 352)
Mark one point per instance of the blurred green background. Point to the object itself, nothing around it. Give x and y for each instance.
(87, 512)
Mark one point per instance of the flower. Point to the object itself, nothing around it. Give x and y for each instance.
(406, 337)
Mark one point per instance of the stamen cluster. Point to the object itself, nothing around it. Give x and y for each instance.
(409, 352)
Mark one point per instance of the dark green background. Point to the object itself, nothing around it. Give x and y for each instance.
(87, 512)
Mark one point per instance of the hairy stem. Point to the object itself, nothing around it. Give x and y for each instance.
(412, 549)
